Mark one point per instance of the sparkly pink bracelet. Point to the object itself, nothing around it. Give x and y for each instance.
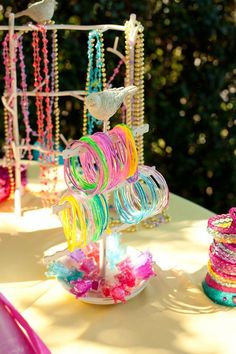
(232, 247)
(221, 274)
(223, 251)
(221, 281)
(105, 143)
(221, 264)
(91, 176)
(223, 227)
(211, 282)
(119, 144)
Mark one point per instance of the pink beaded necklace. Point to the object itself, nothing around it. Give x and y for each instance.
(8, 88)
(24, 98)
(109, 85)
(44, 120)
(115, 73)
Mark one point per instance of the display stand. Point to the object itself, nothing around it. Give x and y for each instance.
(134, 120)
(10, 99)
(59, 259)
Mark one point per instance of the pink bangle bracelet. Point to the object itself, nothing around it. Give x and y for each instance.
(222, 274)
(224, 266)
(222, 251)
(222, 281)
(120, 149)
(232, 247)
(223, 227)
(218, 274)
(104, 142)
(95, 178)
(211, 282)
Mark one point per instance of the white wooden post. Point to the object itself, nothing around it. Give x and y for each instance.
(132, 45)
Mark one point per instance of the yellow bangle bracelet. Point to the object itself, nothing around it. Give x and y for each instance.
(133, 158)
(218, 277)
(70, 218)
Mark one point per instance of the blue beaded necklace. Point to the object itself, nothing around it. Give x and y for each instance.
(96, 75)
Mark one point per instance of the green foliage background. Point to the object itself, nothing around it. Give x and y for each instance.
(190, 80)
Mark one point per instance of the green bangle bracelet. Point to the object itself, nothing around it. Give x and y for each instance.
(101, 156)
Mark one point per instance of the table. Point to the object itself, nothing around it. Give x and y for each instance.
(172, 315)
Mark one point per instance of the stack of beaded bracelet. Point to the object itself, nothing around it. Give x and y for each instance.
(220, 281)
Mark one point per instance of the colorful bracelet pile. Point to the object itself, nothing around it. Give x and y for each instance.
(84, 220)
(103, 161)
(220, 281)
(136, 201)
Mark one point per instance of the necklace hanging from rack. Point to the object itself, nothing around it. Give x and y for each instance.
(135, 107)
(116, 71)
(24, 102)
(129, 69)
(8, 118)
(55, 104)
(44, 117)
(114, 74)
(138, 104)
(96, 76)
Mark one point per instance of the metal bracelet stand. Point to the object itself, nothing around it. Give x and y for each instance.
(10, 99)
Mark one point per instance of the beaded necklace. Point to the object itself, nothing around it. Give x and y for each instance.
(8, 118)
(96, 76)
(129, 69)
(115, 73)
(138, 104)
(48, 161)
(49, 142)
(8, 86)
(38, 86)
(55, 84)
(135, 106)
(24, 98)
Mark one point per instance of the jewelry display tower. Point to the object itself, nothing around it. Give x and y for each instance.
(134, 120)
(10, 99)
(84, 273)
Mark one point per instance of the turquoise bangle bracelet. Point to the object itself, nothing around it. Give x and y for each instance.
(218, 296)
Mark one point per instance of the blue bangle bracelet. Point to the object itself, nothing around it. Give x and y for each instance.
(218, 296)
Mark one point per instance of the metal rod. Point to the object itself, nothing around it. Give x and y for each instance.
(67, 153)
(115, 51)
(74, 93)
(31, 27)
(57, 208)
(38, 148)
(103, 255)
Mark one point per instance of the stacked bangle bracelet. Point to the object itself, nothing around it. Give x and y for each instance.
(135, 201)
(220, 281)
(103, 161)
(83, 220)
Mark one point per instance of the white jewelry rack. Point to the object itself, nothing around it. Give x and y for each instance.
(15, 93)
